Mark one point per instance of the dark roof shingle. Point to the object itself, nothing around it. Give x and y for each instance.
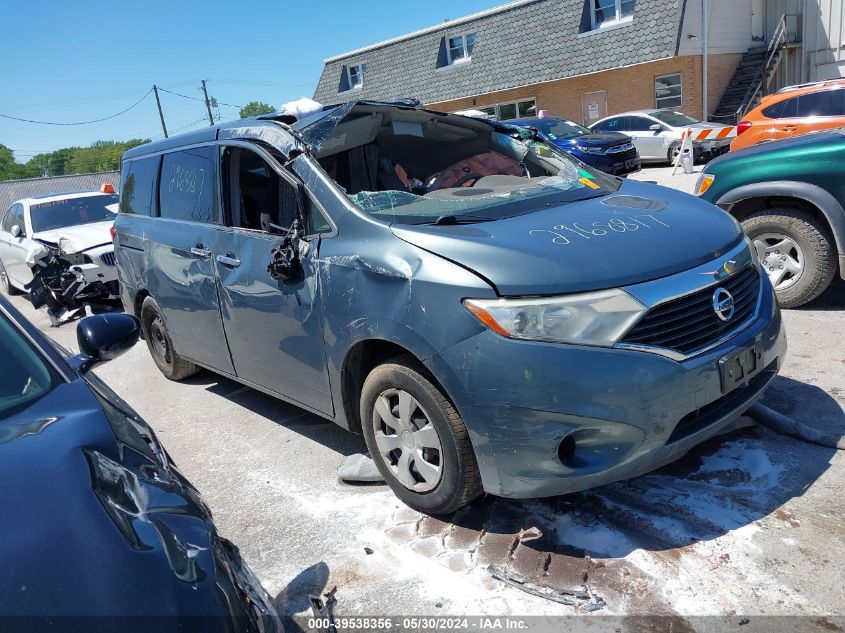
(524, 43)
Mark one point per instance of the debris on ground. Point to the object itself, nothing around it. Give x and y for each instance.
(578, 596)
(324, 611)
(358, 468)
(785, 425)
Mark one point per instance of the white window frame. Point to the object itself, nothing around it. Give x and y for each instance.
(496, 107)
(619, 19)
(360, 72)
(467, 55)
(657, 99)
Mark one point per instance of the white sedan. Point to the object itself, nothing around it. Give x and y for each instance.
(60, 246)
(657, 133)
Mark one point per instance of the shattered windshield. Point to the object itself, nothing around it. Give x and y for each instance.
(487, 187)
(58, 214)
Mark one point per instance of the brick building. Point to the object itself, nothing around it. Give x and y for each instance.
(582, 59)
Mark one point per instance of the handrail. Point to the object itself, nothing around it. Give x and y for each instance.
(779, 38)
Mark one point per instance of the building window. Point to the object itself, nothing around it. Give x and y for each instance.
(356, 76)
(459, 48)
(610, 12)
(511, 110)
(668, 91)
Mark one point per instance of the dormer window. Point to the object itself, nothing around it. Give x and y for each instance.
(606, 13)
(356, 76)
(459, 48)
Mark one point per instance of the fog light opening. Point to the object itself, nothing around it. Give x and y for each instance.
(566, 451)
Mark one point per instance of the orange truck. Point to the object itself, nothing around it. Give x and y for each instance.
(791, 111)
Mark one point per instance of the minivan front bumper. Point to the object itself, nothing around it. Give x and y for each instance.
(548, 419)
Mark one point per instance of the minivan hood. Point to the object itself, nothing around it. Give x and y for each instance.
(75, 239)
(639, 233)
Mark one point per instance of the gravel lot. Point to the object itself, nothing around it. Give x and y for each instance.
(748, 523)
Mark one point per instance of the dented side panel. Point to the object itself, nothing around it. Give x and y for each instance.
(274, 327)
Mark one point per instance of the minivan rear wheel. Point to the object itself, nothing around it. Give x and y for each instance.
(796, 252)
(158, 340)
(417, 439)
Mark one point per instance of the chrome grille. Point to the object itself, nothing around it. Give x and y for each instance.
(107, 259)
(625, 147)
(689, 323)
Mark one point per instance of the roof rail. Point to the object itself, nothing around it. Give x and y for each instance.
(812, 84)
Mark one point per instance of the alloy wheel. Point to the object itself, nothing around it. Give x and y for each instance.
(782, 258)
(407, 441)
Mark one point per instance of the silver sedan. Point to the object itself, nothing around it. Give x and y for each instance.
(657, 133)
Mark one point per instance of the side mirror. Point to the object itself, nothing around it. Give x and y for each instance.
(656, 127)
(16, 230)
(104, 337)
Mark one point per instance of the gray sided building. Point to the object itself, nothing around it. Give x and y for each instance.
(583, 59)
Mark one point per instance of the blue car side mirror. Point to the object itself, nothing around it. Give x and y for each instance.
(103, 337)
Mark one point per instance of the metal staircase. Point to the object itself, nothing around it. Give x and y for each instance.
(751, 77)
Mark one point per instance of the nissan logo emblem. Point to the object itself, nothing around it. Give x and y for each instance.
(723, 304)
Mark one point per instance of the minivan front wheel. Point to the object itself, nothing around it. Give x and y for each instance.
(796, 252)
(417, 439)
(158, 340)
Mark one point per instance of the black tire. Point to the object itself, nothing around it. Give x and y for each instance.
(169, 363)
(6, 285)
(460, 480)
(674, 148)
(816, 245)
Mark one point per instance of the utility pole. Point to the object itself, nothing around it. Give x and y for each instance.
(704, 45)
(207, 104)
(160, 113)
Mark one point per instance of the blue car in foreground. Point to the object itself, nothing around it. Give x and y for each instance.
(610, 152)
(492, 314)
(100, 531)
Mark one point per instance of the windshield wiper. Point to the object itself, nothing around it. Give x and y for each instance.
(452, 220)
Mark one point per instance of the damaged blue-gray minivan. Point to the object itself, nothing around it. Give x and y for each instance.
(493, 315)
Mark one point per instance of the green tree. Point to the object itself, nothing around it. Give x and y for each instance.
(256, 108)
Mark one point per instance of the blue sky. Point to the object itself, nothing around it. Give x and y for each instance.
(71, 60)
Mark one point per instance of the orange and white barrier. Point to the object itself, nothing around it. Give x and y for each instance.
(710, 134)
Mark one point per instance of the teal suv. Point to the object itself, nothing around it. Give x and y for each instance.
(789, 196)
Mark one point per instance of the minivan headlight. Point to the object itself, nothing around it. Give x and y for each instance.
(593, 318)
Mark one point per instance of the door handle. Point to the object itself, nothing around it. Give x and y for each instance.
(228, 261)
(200, 252)
(790, 128)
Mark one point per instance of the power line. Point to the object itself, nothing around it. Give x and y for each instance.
(113, 116)
(178, 94)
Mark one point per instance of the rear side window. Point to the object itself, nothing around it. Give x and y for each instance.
(612, 124)
(773, 111)
(186, 186)
(137, 182)
(824, 103)
(789, 109)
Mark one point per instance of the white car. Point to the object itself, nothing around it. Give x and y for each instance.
(657, 133)
(59, 248)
